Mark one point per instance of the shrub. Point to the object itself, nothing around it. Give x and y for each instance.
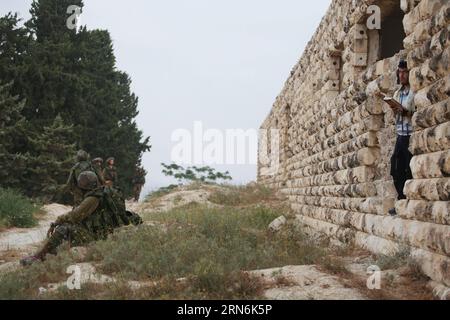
(393, 261)
(15, 209)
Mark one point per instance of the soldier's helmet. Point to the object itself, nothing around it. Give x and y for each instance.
(82, 155)
(97, 161)
(87, 180)
(109, 159)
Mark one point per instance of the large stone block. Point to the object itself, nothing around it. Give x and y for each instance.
(434, 93)
(360, 59)
(362, 157)
(343, 234)
(319, 154)
(410, 20)
(365, 205)
(428, 8)
(341, 177)
(436, 266)
(360, 46)
(422, 76)
(428, 189)
(428, 211)
(422, 32)
(360, 32)
(429, 236)
(440, 41)
(432, 116)
(365, 190)
(431, 165)
(419, 54)
(442, 18)
(376, 244)
(431, 139)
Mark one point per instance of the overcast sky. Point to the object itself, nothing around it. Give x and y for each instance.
(221, 62)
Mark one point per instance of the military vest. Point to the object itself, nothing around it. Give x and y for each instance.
(110, 174)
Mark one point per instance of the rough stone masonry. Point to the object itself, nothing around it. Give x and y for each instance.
(336, 137)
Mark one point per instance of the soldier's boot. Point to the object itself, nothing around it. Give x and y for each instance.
(40, 256)
(28, 261)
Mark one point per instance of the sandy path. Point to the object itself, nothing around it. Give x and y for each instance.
(26, 240)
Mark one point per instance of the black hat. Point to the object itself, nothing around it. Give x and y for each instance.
(403, 64)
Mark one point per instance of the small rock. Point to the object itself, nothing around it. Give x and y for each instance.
(42, 290)
(276, 224)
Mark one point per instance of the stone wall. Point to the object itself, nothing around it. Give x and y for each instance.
(336, 138)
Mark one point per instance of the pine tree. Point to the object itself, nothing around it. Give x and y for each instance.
(53, 159)
(51, 63)
(13, 138)
(96, 98)
(70, 81)
(14, 46)
(109, 107)
(49, 19)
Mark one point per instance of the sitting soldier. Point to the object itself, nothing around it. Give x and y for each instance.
(101, 211)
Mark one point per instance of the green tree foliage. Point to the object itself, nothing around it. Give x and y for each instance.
(201, 174)
(71, 86)
(49, 17)
(12, 139)
(14, 45)
(53, 159)
(106, 118)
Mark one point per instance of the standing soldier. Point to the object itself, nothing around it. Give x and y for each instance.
(97, 163)
(82, 164)
(110, 173)
(138, 182)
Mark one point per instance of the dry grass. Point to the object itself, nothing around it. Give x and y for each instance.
(209, 247)
(243, 195)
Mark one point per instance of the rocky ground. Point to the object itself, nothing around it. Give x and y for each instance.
(345, 277)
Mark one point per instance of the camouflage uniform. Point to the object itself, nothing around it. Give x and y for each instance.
(101, 211)
(138, 181)
(82, 165)
(97, 165)
(110, 174)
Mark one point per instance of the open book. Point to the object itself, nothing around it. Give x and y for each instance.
(392, 102)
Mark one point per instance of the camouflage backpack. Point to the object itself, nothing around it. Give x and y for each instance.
(116, 203)
(79, 168)
(111, 213)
